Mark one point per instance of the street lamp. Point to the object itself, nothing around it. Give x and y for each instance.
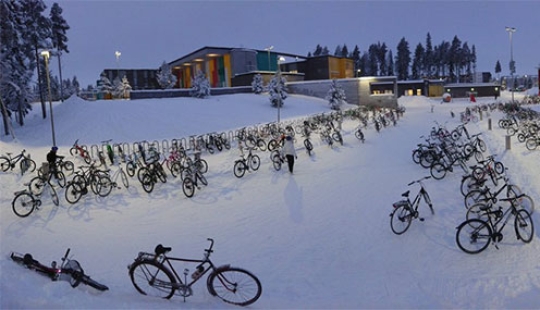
(268, 49)
(358, 72)
(279, 60)
(46, 56)
(511, 31)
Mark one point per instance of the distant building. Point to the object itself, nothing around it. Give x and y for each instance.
(139, 79)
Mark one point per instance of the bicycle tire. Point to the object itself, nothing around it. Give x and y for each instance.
(272, 145)
(105, 186)
(36, 185)
(124, 177)
(188, 187)
(152, 279)
(473, 232)
(147, 183)
(261, 144)
(437, 171)
(308, 145)
(131, 168)
(201, 178)
(201, 165)
(73, 151)
(478, 211)
(524, 226)
(59, 179)
(68, 166)
(5, 163)
(474, 197)
(467, 184)
(23, 204)
(400, 219)
(359, 135)
(235, 286)
(499, 167)
(73, 192)
(176, 169)
(276, 162)
(239, 168)
(254, 162)
(30, 165)
(93, 283)
(531, 144)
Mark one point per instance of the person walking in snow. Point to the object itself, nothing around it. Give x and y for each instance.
(289, 152)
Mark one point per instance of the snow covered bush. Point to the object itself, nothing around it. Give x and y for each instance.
(105, 85)
(335, 96)
(122, 88)
(277, 90)
(200, 86)
(165, 77)
(257, 84)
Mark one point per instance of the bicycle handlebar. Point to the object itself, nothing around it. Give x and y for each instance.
(419, 180)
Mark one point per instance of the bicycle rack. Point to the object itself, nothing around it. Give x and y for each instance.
(94, 150)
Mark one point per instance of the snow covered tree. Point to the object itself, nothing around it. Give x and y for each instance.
(498, 68)
(200, 86)
(122, 88)
(59, 39)
(165, 77)
(277, 90)
(336, 96)
(105, 85)
(257, 84)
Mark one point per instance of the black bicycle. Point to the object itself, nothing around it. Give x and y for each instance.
(70, 269)
(153, 274)
(25, 162)
(475, 234)
(405, 210)
(246, 163)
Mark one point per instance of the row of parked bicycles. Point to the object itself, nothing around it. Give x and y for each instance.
(490, 199)
(98, 171)
(524, 124)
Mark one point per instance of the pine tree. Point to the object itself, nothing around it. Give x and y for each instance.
(337, 52)
(336, 96)
(381, 58)
(200, 86)
(356, 59)
(498, 68)
(59, 38)
(105, 85)
(344, 51)
(277, 90)
(428, 58)
(318, 50)
(122, 88)
(418, 60)
(373, 60)
(165, 77)
(257, 84)
(390, 63)
(403, 59)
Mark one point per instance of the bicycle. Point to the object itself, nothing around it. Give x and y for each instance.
(153, 274)
(405, 210)
(119, 173)
(359, 134)
(25, 202)
(25, 162)
(69, 267)
(246, 163)
(486, 196)
(191, 181)
(77, 149)
(474, 235)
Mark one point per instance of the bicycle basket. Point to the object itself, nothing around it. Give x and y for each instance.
(44, 169)
(400, 203)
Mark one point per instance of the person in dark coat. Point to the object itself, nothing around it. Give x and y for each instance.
(52, 157)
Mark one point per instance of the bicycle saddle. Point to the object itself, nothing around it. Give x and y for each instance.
(406, 194)
(160, 249)
(29, 260)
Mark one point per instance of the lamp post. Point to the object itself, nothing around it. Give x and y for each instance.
(279, 60)
(511, 31)
(46, 56)
(117, 54)
(268, 49)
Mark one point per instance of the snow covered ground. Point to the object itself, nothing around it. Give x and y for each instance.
(317, 239)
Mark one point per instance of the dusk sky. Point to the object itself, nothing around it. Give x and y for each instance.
(148, 32)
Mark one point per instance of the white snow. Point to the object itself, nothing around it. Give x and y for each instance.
(317, 239)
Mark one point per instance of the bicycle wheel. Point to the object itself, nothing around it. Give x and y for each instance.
(36, 186)
(308, 145)
(93, 283)
(5, 164)
(478, 211)
(473, 197)
(235, 286)
(23, 204)
(74, 192)
(437, 171)
(473, 236)
(105, 186)
(400, 219)
(176, 169)
(131, 168)
(124, 178)
(27, 165)
(201, 178)
(276, 162)
(201, 165)
(360, 136)
(531, 144)
(147, 183)
(68, 166)
(416, 156)
(254, 162)
(188, 187)
(261, 144)
(272, 145)
(467, 184)
(59, 179)
(239, 168)
(524, 226)
(152, 279)
(499, 167)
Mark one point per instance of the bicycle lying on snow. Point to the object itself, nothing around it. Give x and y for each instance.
(153, 274)
(70, 269)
